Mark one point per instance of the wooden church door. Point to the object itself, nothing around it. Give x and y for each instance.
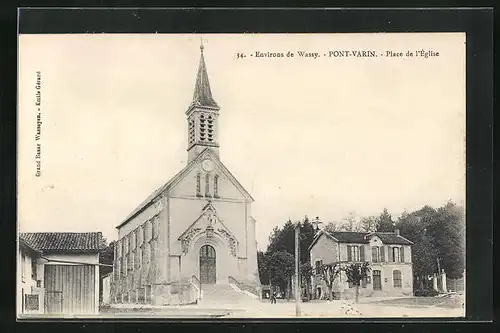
(207, 265)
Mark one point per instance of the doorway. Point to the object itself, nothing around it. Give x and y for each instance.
(207, 265)
(377, 280)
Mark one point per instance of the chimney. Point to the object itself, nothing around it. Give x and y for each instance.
(396, 232)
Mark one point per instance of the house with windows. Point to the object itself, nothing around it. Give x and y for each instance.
(58, 273)
(388, 253)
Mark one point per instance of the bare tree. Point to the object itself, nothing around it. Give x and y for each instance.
(329, 273)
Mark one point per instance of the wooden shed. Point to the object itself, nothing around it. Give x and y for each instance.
(68, 270)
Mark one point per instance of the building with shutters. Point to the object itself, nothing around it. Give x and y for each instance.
(58, 273)
(195, 230)
(389, 255)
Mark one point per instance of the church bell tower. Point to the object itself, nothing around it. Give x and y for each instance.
(202, 115)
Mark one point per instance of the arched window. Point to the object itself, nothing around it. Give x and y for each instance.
(375, 254)
(216, 186)
(210, 129)
(396, 277)
(202, 128)
(198, 185)
(207, 185)
(395, 254)
(191, 132)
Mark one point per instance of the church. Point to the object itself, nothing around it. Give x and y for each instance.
(194, 231)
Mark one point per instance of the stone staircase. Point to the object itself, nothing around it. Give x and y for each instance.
(224, 295)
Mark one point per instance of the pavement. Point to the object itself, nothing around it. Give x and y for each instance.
(283, 309)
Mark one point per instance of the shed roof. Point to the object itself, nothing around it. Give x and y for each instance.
(60, 242)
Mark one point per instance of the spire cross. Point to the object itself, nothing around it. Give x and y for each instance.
(201, 43)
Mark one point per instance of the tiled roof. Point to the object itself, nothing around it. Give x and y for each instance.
(391, 238)
(63, 241)
(361, 237)
(350, 237)
(23, 243)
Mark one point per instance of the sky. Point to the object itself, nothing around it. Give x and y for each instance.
(318, 137)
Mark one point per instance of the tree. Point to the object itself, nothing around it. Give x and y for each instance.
(283, 239)
(307, 233)
(357, 272)
(448, 231)
(414, 226)
(424, 254)
(331, 227)
(385, 222)
(329, 272)
(262, 263)
(281, 267)
(368, 224)
(350, 223)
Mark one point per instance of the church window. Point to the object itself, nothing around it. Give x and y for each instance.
(216, 186)
(207, 185)
(202, 128)
(191, 132)
(198, 184)
(210, 129)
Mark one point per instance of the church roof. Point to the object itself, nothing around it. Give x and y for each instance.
(175, 179)
(202, 93)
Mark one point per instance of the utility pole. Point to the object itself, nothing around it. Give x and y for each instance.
(297, 264)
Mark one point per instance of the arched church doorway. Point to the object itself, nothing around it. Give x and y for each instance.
(207, 265)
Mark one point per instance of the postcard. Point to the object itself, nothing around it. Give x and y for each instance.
(248, 175)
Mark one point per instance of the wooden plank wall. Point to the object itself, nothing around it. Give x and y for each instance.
(77, 284)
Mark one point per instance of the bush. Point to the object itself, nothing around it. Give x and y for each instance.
(425, 293)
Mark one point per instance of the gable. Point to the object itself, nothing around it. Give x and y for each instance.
(227, 185)
(182, 183)
(325, 249)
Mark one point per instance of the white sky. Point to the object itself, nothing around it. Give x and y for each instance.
(320, 137)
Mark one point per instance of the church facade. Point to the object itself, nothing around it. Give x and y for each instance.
(196, 229)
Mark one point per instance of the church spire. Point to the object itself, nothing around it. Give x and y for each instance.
(202, 115)
(202, 93)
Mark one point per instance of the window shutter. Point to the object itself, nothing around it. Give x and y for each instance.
(390, 251)
(362, 253)
(382, 253)
(402, 254)
(349, 253)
